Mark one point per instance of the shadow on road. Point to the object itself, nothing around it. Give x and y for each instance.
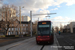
(45, 44)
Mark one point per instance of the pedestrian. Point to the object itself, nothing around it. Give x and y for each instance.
(59, 32)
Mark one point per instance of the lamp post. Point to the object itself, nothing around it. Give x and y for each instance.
(20, 20)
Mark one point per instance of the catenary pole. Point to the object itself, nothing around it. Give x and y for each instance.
(20, 18)
(31, 21)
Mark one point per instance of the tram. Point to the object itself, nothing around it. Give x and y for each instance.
(44, 32)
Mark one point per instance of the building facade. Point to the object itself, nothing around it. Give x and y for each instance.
(24, 18)
(21, 29)
(7, 13)
(70, 28)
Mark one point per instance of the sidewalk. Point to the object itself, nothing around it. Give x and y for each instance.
(6, 41)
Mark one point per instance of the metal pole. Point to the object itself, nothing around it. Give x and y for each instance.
(20, 18)
(38, 19)
(46, 18)
(6, 14)
(31, 21)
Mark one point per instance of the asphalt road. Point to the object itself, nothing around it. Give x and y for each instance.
(66, 39)
(30, 44)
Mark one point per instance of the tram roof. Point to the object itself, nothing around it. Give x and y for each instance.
(44, 21)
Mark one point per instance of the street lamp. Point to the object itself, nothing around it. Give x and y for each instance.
(20, 18)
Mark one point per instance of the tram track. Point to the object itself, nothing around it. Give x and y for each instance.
(19, 44)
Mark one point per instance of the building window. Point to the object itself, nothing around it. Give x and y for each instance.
(23, 24)
(23, 32)
(9, 33)
(12, 32)
(26, 32)
(19, 32)
(9, 29)
(6, 28)
(26, 24)
(12, 24)
(16, 33)
(19, 28)
(22, 28)
(25, 28)
(16, 29)
(12, 29)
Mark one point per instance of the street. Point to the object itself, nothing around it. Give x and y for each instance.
(29, 44)
(28, 24)
(66, 39)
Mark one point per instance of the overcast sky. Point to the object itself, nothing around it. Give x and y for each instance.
(65, 9)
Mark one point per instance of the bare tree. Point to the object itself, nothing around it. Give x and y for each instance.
(5, 23)
(36, 22)
(61, 28)
(56, 29)
(35, 26)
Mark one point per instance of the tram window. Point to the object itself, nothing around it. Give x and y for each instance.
(51, 29)
(43, 25)
(43, 31)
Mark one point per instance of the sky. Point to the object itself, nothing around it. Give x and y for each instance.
(64, 9)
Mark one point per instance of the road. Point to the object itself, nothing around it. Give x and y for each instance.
(66, 39)
(29, 44)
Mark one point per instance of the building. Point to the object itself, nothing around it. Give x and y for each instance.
(15, 28)
(24, 18)
(34, 26)
(72, 27)
(66, 28)
(9, 12)
(24, 29)
(11, 24)
(12, 12)
(2, 32)
(69, 28)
